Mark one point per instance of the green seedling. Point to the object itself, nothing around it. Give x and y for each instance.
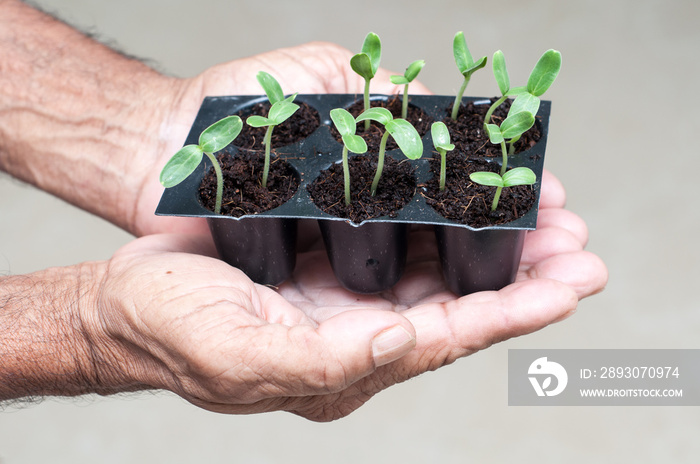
(528, 97)
(466, 65)
(212, 139)
(346, 126)
(441, 142)
(512, 127)
(366, 64)
(402, 131)
(501, 74)
(516, 176)
(541, 78)
(408, 76)
(272, 88)
(281, 110)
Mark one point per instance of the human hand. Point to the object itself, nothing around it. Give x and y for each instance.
(317, 67)
(173, 318)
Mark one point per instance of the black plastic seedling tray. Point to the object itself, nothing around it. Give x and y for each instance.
(475, 264)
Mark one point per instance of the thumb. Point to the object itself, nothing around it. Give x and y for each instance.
(384, 336)
(342, 350)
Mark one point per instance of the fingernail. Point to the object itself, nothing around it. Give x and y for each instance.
(391, 344)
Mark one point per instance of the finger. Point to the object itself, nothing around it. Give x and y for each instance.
(584, 272)
(330, 65)
(541, 244)
(448, 331)
(553, 194)
(307, 68)
(315, 67)
(564, 219)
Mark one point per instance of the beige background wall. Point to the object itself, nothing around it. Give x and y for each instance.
(629, 78)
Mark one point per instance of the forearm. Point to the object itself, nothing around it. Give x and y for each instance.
(46, 348)
(76, 118)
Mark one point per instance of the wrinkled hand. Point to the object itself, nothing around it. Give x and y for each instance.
(311, 68)
(198, 327)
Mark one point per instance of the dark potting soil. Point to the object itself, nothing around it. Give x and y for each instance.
(469, 203)
(243, 191)
(396, 188)
(468, 135)
(299, 126)
(416, 116)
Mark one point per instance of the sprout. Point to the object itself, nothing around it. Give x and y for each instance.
(280, 111)
(441, 142)
(272, 88)
(212, 139)
(408, 76)
(404, 133)
(511, 127)
(466, 66)
(527, 98)
(501, 74)
(516, 176)
(366, 64)
(346, 126)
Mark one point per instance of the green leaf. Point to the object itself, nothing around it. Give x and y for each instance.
(271, 86)
(413, 70)
(463, 58)
(399, 80)
(525, 102)
(291, 98)
(217, 136)
(475, 67)
(544, 73)
(407, 138)
(517, 124)
(181, 165)
(362, 65)
(441, 136)
(259, 121)
(495, 135)
(281, 111)
(500, 72)
(381, 115)
(355, 143)
(519, 176)
(490, 179)
(343, 121)
(372, 47)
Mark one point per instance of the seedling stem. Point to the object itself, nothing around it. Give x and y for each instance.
(212, 139)
(346, 126)
(441, 142)
(366, 64)
(267, 141)
(281, 110)
(408, 76)
(466, 65)
(406, 136)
